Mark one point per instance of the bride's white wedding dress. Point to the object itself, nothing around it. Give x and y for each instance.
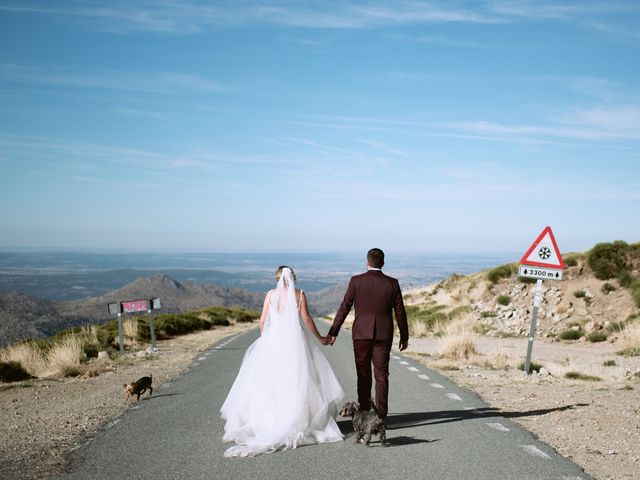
(285, 394)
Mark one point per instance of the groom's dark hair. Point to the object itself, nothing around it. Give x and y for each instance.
(375, 257)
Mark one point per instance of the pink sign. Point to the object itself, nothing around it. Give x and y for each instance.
(135, 306)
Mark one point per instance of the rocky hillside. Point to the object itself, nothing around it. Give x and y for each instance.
(26, 316)
(327, 300)
(591, 303)
(175, 297)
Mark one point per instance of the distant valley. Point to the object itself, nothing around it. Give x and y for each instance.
(44, 292)
(26, 316)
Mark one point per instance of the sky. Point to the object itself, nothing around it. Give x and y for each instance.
(240, 126)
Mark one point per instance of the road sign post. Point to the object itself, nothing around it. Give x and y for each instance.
(541, 261)
(152, 330)
(532, 330)
(135, 306)
(120, 333)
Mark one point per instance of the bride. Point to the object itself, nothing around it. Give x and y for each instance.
(285, 394)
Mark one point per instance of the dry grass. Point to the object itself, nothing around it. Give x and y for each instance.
(418, 329)
(60, 360)
(631, 340)
(90, 334)
(26, 354)
(457, 342)
(130, 330)
(63, 359)
(500, 361)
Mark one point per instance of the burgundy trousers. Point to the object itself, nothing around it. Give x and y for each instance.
(376, 352)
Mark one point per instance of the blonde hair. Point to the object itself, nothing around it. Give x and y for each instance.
(279, 272)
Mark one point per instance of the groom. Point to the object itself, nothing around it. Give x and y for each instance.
(376, 296)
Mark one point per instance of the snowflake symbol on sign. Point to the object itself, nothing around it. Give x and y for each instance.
(544, 253)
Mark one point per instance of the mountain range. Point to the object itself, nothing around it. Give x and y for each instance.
(25, 316)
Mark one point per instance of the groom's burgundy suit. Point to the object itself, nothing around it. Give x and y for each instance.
(376, 296)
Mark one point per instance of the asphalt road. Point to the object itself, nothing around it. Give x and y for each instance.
(436, 430)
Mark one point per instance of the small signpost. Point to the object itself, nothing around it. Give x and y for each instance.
(135, 306)
(542, 261)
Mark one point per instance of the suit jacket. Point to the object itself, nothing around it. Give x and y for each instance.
(376, 297)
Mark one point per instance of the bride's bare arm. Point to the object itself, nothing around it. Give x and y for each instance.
(306, 318)
(265, 311)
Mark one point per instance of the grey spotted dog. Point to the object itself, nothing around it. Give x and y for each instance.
(365, 424)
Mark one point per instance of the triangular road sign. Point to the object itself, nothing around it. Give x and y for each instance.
(544, 252)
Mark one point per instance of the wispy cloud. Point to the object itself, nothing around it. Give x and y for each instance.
(381, 146)
(195, 16)
(444, 40)
(188, 17)
(535, 9)
(140, 113)
(123, 183)
(323, 148)
(606, 123)
(161, 82)
(56, 153)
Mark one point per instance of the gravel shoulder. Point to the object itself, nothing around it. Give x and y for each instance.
(596, 424)
(42, 421)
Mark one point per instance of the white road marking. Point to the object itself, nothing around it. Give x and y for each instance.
(112, 423)
(202, 358)
(436, 385)
(413, 369)
(534, 451)
(453, 396)
(571, 478)
(423, 377)
(195, 364)
(498, 426)
(403, 363)
(395, 357)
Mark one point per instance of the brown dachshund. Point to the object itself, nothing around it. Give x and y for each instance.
(138, 388)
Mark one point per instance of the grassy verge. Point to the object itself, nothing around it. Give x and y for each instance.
(63, 354)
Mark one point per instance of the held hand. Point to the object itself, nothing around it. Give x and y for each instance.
(324, 340)
(403, 345)
(332, 339)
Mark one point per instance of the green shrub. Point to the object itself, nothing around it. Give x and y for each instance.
(609, 363)
(581, 376)
(625, 278)
(616, 327)
(571, 261)
(527, 280)
(420, 319)
(91, 350)
(607, 260)
(634, 288)
(598, 336)
(481, 328)
(458, 311)
(487, 314)
(533, 367)
(168, 325)
(503, 271)
(503, 299)
(570, 334)
(13, 372)
(579, 294)
(607, 288)
(217, 315)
